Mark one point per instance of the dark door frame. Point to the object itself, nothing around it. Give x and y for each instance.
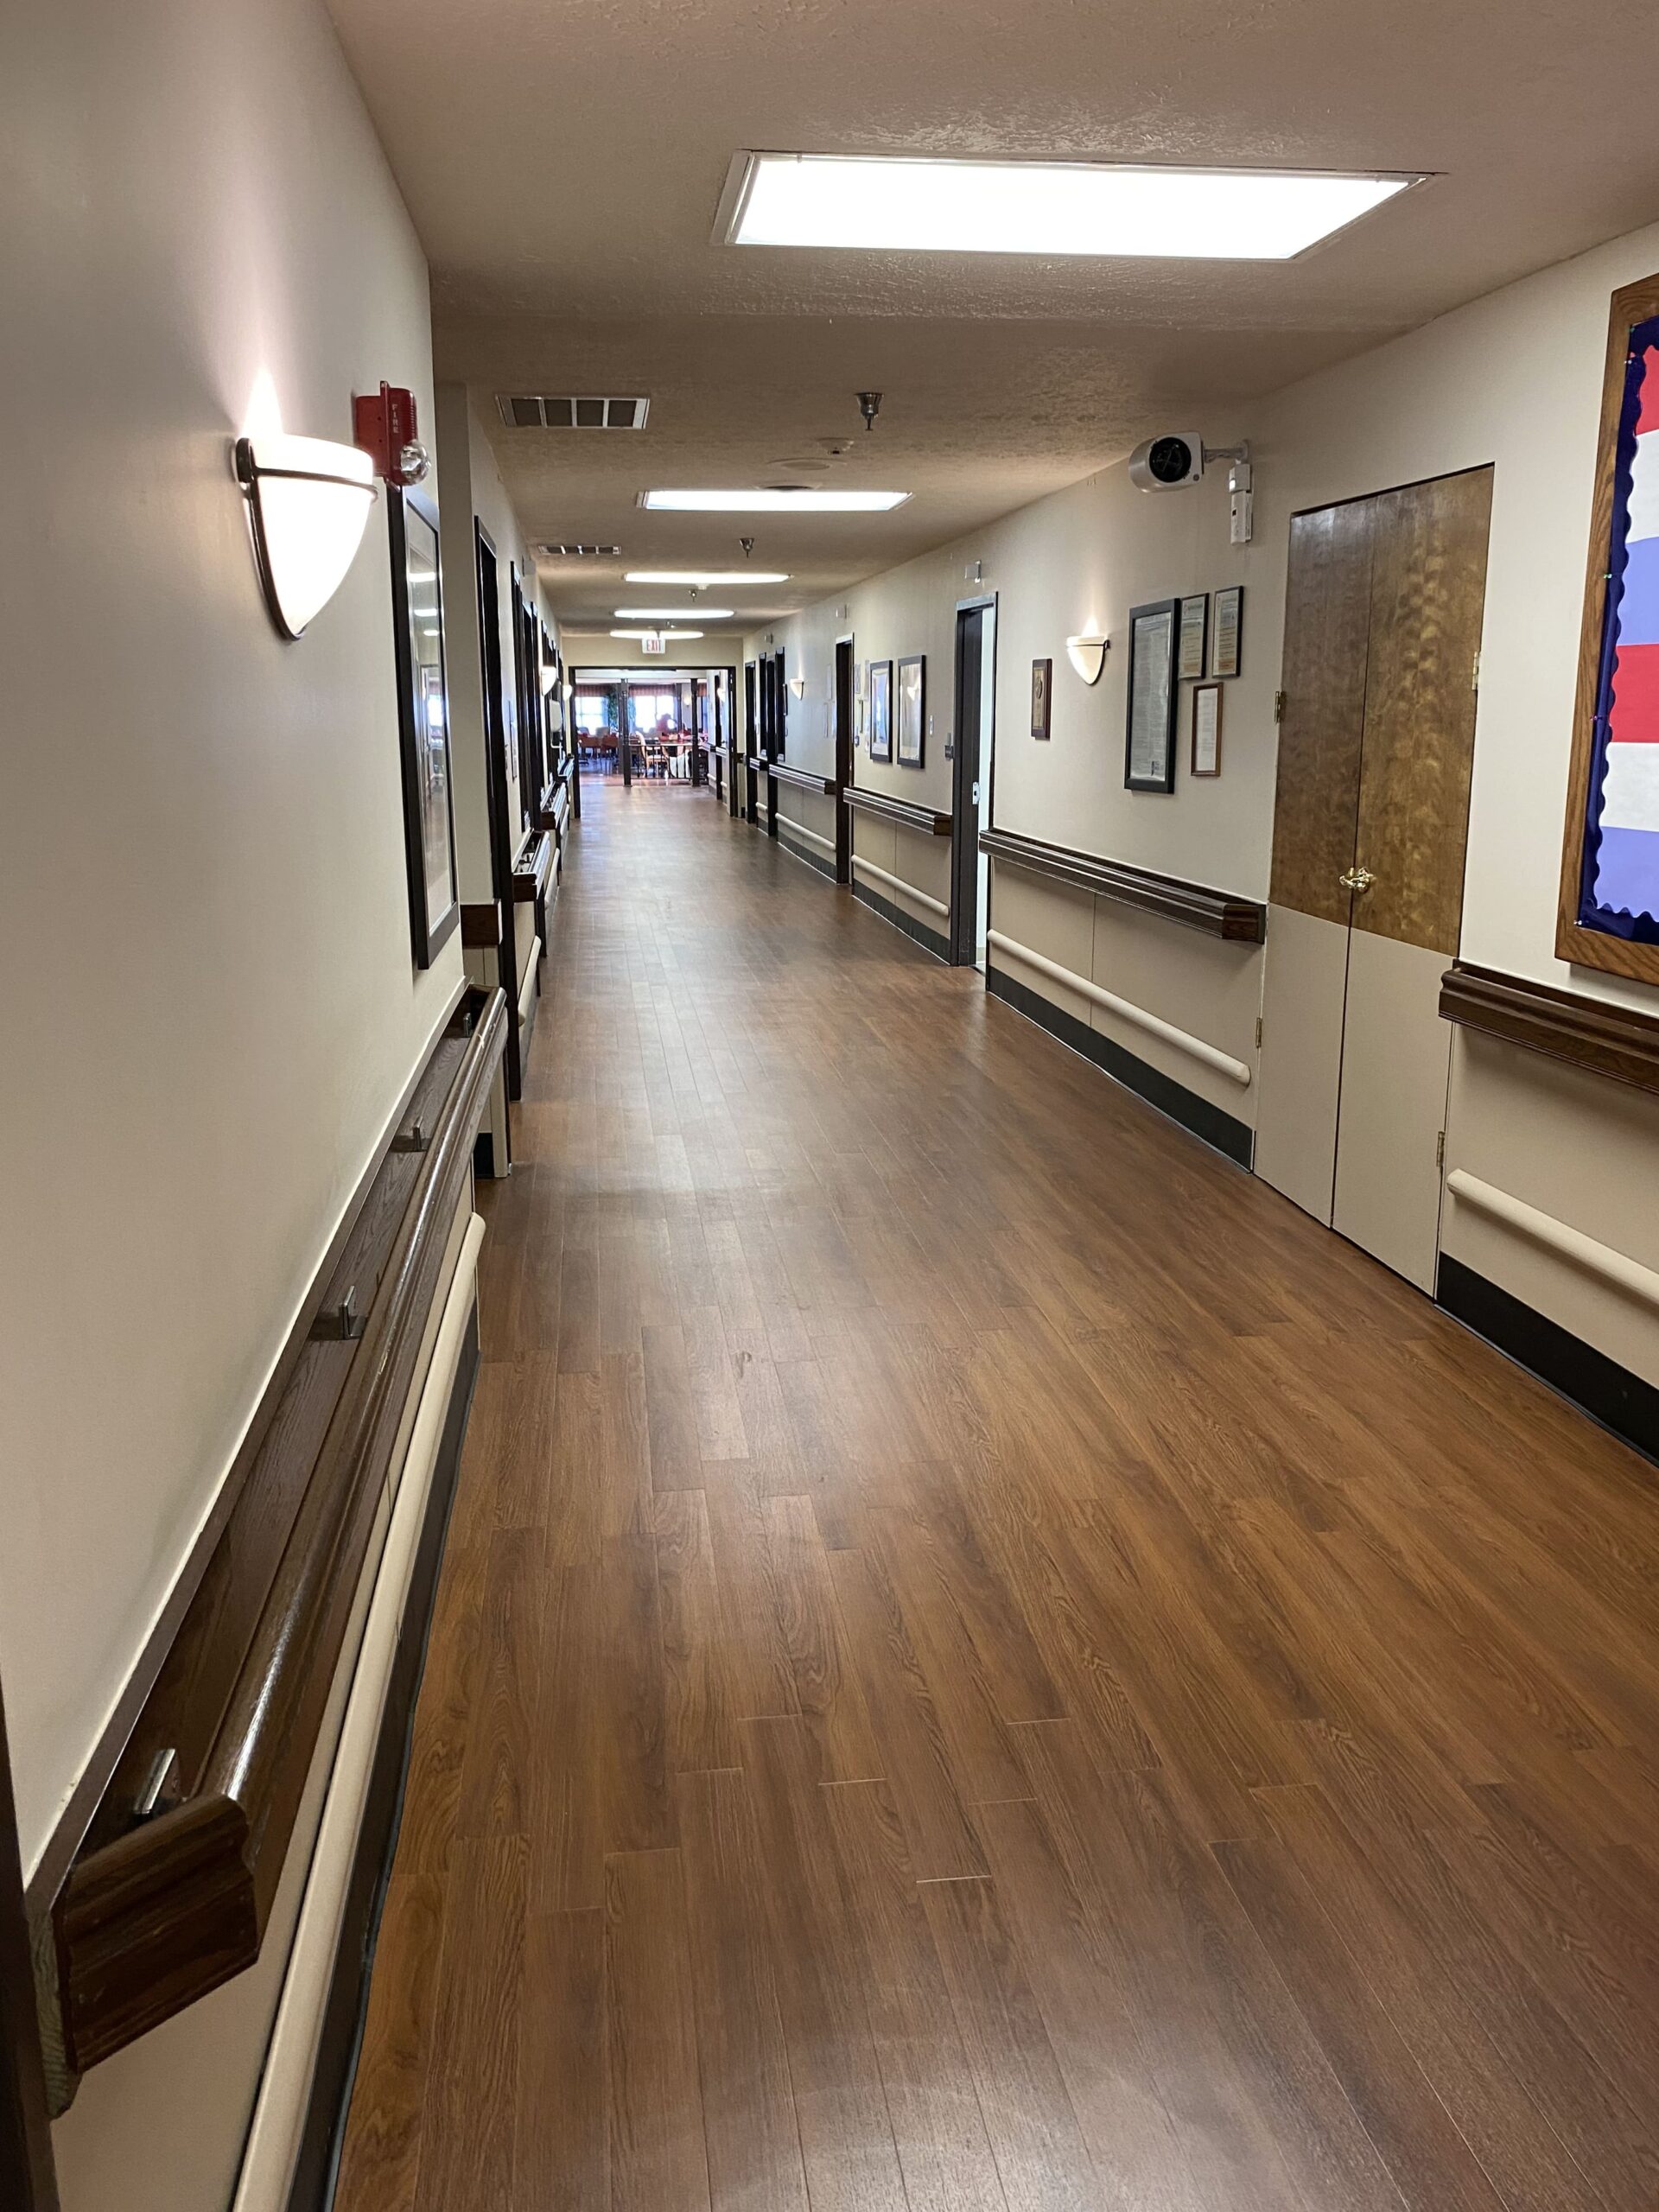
(28, 2177)
(751, 738)
(965, 779)
(502, 846)
(845, 683)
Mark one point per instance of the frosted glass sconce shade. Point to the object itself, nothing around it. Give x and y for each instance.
(310, 500)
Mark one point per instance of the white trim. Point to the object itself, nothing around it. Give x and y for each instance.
(1596, 1259)
(1210, 1055)
(279, 2116)
(923, 898)
(788, 822)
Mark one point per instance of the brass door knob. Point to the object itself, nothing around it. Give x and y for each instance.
(1356, 879)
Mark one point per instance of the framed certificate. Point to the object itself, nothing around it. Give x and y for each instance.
(913, 704)
(1206, 730)
(1195, 631)
(1149, 748)
(881, 710)
(1225, 633)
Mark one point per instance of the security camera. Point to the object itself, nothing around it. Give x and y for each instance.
(1167, 462)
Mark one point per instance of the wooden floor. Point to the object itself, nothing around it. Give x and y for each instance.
(984, 1660)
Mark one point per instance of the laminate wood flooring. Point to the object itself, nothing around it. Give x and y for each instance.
(984, 1661)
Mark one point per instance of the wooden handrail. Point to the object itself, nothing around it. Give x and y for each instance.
(922, 819)
(824, 785)
(1195, 905)
(1616, 1041)
(150, 1919)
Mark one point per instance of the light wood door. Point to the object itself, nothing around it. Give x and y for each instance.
(1383, 632)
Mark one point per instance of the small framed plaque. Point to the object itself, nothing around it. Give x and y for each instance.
(912, 706)
(1227, 631)
(1206, 729)
(1195, 630)
(1042, 692)
(881, 710)
(1149, 747)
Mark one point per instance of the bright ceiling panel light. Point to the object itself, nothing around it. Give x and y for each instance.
(1059, 207)
(308, 500)
(670, 634)
(707, 579)
(758, 502)
(673, 613)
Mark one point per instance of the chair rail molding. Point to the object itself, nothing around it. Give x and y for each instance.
(1196, 906)
(1615, 1042)
(924, 820)
(1196, 1048)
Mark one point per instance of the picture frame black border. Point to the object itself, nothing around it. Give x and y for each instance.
(426, 942)
(1188, 599)
(1172, 608)
(1045, 662)
(909, 660)
(882, 759)
(1215, 684)
(1211, 673)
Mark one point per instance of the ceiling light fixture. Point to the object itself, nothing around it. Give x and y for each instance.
(760, 502)
(673, 613)
(637, 634)
(921, 206)
(707, 579)
(309, 499)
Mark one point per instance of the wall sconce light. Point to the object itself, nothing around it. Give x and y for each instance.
(1087, 654)
(797, 685)
(550, 677)
(308, 500)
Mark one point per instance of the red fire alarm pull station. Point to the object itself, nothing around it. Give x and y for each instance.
(385, 428)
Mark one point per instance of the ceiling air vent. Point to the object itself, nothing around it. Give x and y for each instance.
(541, 410)
(577, 552)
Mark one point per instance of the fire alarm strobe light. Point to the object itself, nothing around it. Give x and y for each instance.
(385, 428)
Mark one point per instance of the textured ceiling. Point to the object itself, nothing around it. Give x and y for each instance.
(564, 168)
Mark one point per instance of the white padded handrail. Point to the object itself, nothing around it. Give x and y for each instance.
(788, 822)
(1595, 1258)
(922, 898)
(1210, 1055)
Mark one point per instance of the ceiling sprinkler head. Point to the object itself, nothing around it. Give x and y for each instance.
(869, 406)
(747, 543)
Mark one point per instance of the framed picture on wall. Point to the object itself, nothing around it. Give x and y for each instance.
(1149, 739)
(423, 721)
(1042, 694)
(1226, 631)
(1206, 730)
(1609, 911)
(912, 706)
(881, 710)
(1195, 630)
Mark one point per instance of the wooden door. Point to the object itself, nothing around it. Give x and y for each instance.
(1383, 612)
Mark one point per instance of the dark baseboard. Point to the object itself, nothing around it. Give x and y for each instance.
(930, 940)
(1223, 1130)
(800, 852)
(341, 2039)
(1599, 1386)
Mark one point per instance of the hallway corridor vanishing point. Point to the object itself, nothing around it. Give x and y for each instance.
(983, 1659)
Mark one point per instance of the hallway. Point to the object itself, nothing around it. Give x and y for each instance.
(983, 1659)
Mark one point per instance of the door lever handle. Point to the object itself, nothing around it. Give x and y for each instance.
(1356, 879)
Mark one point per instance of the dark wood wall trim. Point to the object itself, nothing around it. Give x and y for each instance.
(70, 1833)
(923, 819)
(1195, 905)
(780, 773)
(1224, 1131)
(154, 1916)
(27, 2183)
(1620, 1401)
(1612, 1040)
(480, 925)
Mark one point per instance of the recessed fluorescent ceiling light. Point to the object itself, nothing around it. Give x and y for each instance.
(707, 579)
(929, 206)
(775, 503)
(656, 634)
(672, 613)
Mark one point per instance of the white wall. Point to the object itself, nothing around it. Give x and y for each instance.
(207, 934)
(1513, 380)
